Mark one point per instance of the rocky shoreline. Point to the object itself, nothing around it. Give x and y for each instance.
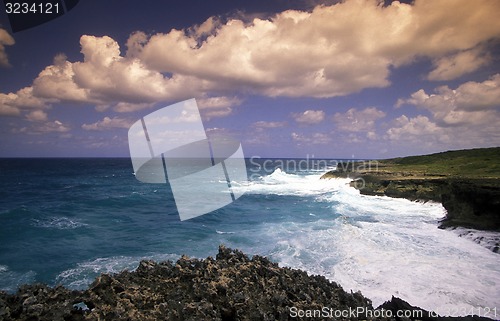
(468, 186)
(230, 287)
(469, 203)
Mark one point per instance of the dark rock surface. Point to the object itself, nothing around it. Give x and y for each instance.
(472, 203)
(230, 287)
(396, 304)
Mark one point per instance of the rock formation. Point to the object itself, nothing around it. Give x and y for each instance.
(229, 287)
(467, 183)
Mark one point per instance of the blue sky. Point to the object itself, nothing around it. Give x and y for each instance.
(361, 79)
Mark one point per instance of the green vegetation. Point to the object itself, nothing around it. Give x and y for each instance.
(481, 163)
(471, 163)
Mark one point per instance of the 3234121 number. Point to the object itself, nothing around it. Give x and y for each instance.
(36, 8)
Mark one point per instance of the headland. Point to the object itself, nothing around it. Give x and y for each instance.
(466, 182)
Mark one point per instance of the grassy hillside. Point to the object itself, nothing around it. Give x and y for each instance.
(471, 163)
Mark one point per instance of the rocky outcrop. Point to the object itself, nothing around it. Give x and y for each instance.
(469, 202)
(230, 287)
(472, 203)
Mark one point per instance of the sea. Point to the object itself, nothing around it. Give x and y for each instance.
(65, 221)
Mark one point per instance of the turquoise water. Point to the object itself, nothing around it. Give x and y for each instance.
(64, 221)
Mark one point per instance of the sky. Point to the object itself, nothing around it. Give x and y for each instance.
(287, 78)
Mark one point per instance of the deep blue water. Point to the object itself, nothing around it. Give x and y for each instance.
(56, 213)
(64, 221)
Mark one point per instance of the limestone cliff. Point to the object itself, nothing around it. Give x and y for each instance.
(467, 183)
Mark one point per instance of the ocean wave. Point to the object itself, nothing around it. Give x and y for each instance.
(385, 246)
(222, 232)
(85, 272)
(283, 183)
(488, 239)
(10, 280)
(61, 223)
(378, 245)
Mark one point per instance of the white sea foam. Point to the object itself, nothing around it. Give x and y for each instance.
(85, 272)
(488, 239)
(222, 232)
(282, 183)
(382, 247)
(378, 245)
(61, 223)
(11, 280)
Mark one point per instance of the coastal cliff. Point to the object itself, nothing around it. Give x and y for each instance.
(466, 182)
(230, 287)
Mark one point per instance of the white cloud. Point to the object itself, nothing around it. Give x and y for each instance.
(110, 77)
(456, 65)
(269, 124)
(55, 126)
(261, 133)
(355, 120)
(407, 128)
(124, 107)
(315, 138)
(12, 103)
(105, 78)
(331, 51)
(37, 115)
(206, 28)
(5, 40)
(43, 127)
(309, 117)
(218, 102)
(371, 135)
(108, 123)
(472, 103)
(465, 117)
(6, 110)
(57, 82)
(217, 106)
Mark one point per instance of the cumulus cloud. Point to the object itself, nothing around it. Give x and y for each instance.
(125, 107)
(314, 138)
(355, 120)
(472, 103)
(329, 51)
(57, 82)
(5, 40)
(309, 117)
(106, 75)
(43, 127)
(464, 117)
(6, 110)
(108, 123)
(269, 124)
(37, 115)
(420, 126)
(218, 102)
(11, 104)
(217, 106)
(106, 78)
(55, 126)
(456, 65)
